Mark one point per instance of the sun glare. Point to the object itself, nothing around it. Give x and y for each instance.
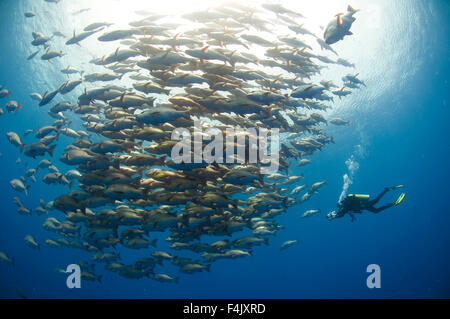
(123, 11)
(317, 14)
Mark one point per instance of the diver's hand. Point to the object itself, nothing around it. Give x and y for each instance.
(332, 215)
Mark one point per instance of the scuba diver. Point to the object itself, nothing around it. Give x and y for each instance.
(355, 203)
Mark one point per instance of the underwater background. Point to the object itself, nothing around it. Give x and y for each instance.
(399, 135)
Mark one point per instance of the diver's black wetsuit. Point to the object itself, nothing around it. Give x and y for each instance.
(353, 204)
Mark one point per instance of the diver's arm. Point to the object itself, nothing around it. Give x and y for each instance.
(341, 212)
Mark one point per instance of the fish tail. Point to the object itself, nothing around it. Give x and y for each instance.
(51, 149)
(286, 201)
(117, 164)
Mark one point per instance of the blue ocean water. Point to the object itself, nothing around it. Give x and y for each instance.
(399, 135)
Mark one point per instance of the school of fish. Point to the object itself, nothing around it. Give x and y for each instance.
(231, 66)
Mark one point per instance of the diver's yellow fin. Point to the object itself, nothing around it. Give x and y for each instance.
(399, 199)
(399, 186)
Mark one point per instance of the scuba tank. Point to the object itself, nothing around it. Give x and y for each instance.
(359, 196)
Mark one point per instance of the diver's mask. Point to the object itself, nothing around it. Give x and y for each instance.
(332, 215)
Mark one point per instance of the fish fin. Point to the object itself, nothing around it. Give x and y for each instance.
(116, 164)
(167, 53)
(269, 110)
(351, 9)
(205, 49)
(163, 159)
